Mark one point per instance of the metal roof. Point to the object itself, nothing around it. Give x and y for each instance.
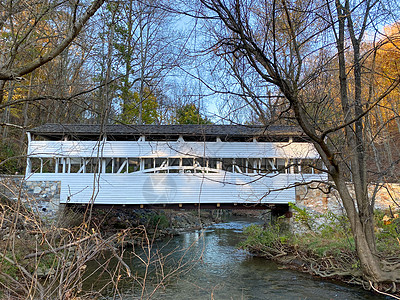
(55, 131)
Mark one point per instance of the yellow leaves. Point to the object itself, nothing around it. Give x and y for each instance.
(392, 30)
(388, 220)
(388, 53)
(385, 67)
(12, 94)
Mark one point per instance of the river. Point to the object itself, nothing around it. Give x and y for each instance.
(213, 268)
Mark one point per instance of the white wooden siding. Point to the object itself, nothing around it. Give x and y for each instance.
(171, 149)
(161, 188)
(174, 188)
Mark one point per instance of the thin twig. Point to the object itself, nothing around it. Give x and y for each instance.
(41, 253)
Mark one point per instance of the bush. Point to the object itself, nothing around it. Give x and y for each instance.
(159, 220)
(331, 238)
(387, 227)
(269, 240)
(10, 164)
(303, 216)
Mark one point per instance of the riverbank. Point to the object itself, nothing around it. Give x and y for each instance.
(325, 250)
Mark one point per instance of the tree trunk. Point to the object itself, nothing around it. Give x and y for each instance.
(2, 91)
(354, 133)
(369, 262)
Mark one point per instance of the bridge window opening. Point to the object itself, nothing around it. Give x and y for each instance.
(240, 165)
(161, 165)
(267, 165)
(199, 164)
(187, 164)
(46, 165)
(133, 165)
(227, 164)
(173, 162)
(213, 163)
(35, 165)
(120, 165)
(147, 163)
(75, 165)
(92, 165)
(175, 165)
(306, 166)
(108, 165)
(160, 162)
(252, 165)
(294, 166)
(281, 164)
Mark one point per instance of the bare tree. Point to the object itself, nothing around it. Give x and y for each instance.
(146, 49)
(22, 21)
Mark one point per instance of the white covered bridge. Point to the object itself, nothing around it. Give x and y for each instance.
(172, 164)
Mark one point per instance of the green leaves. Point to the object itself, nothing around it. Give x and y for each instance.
(190, 114)
(131, 110)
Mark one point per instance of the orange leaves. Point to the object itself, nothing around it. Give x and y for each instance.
(387, 220)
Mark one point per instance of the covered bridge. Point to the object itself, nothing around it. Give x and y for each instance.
(182, 165)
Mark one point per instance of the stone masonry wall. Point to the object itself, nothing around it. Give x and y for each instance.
(43, 196)
(317, 202)
(315, 199)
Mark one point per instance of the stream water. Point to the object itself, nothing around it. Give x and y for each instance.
(213, 268)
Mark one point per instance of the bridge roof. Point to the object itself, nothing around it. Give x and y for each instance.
(155, 132)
